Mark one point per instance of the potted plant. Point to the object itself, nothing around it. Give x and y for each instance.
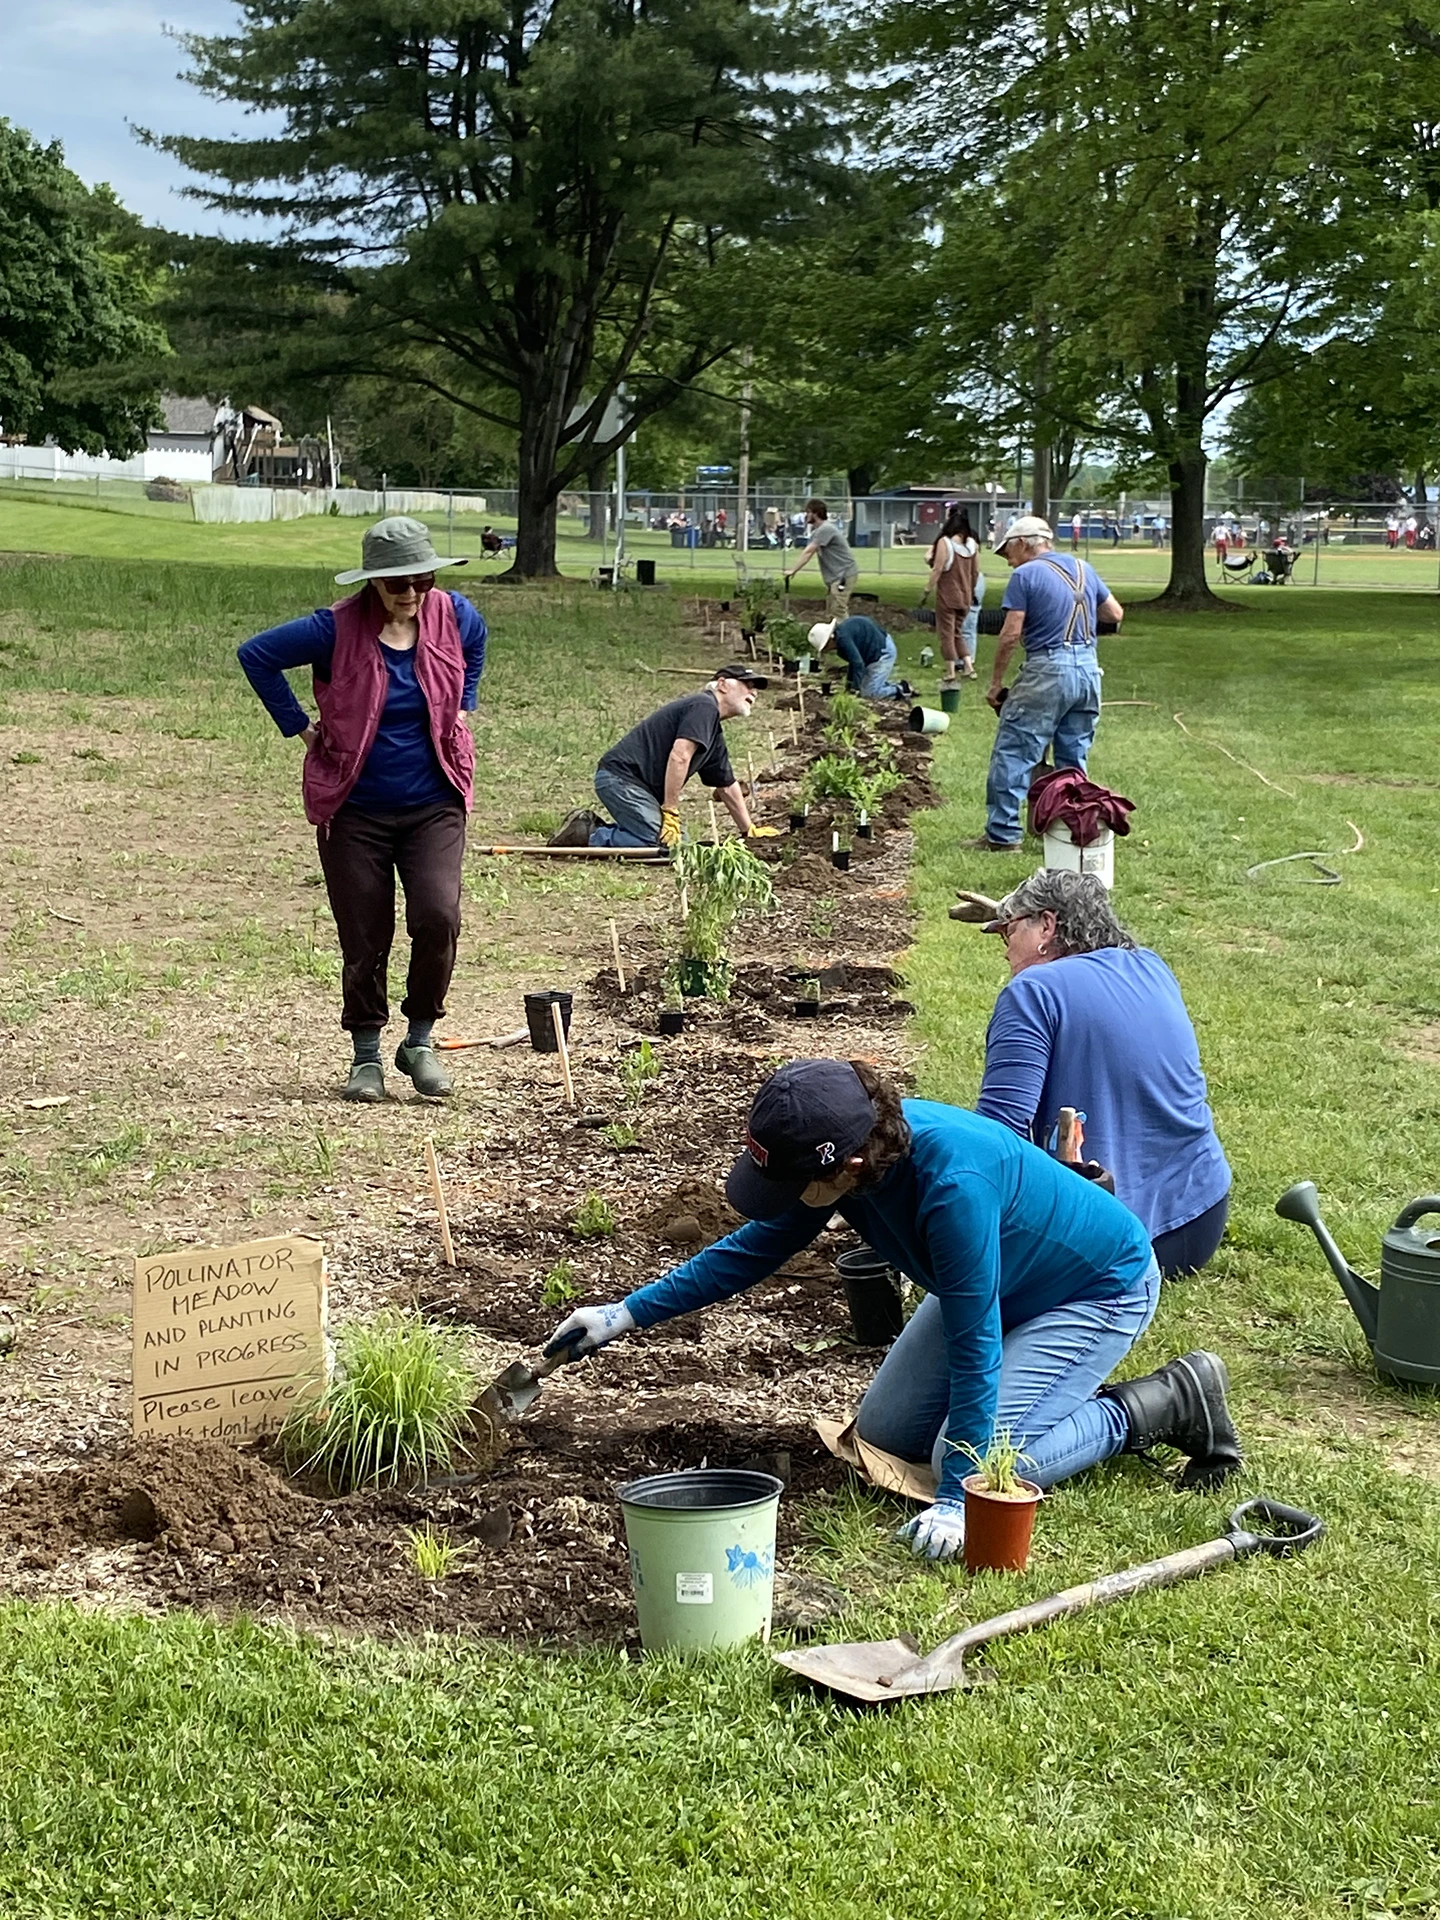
(799, 814)
(672, 1003)
(806, 1004)
(791, 637)
(718, 881)
(839, 856)
(999, 1509)
(757, 597)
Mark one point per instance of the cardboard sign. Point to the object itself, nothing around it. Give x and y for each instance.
(228, 1339)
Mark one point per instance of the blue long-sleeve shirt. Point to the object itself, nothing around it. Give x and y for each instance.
(994, 1228)
(1107, 1033)
(401, 769)
(860, 642)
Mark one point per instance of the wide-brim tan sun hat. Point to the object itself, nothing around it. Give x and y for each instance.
(395, 547)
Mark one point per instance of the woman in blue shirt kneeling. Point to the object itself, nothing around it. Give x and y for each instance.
(1038, 1284)
(1089, 1020)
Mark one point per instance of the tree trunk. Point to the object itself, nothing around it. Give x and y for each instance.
(861, 481)
(536, 494)
(1188, 589)
(1040, 483)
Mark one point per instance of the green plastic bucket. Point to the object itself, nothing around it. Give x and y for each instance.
(702, 1555)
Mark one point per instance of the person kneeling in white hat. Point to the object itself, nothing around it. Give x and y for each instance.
(868, 652)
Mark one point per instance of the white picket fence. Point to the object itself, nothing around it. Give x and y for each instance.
(243, 505)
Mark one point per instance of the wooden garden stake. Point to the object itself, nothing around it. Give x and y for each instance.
(557, 1020)
(684, 904)
(714, 824)
(794, 732)
(771, 738)
(433, 1165)
(615, 949)
(800, 698)
(750, 763)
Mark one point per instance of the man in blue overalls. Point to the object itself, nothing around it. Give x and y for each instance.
(1052, 603)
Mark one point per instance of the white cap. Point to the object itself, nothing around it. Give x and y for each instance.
(821, 634)
(1028, 527)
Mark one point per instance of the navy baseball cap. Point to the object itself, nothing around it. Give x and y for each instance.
(804, 1122)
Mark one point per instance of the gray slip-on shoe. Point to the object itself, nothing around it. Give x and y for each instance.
(366, 1082)
(424, 1068)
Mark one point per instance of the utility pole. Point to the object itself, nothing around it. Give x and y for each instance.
(742, 511)
(619, 496)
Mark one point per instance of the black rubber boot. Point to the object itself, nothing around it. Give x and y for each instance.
(1182, 1405)
(575, 829)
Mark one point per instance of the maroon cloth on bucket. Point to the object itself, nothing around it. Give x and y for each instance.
(353, 698)
(1062, 796)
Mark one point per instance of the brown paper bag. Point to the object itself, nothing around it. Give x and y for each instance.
(883, 1470)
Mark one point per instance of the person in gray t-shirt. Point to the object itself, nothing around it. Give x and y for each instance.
(837, 564)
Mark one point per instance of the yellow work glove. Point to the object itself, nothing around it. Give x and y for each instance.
(763, 833)
(669, 827)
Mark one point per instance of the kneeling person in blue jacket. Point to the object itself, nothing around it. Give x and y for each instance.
(1037, 1283)
(868, 652)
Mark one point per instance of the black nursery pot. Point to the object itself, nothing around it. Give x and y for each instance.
(805, 1009)
(877, 1312)
(538, 1020)
(792, 666)
(797, 822)
(840, 859)
(672, 1020)
(827, 687)
(865, 831)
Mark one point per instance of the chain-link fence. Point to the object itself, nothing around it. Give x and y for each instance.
(703, 531)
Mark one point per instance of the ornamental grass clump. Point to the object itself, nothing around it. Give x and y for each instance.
(396, 1411)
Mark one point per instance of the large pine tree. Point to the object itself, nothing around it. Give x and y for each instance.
(518, 204)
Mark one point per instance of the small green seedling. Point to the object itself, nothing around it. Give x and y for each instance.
(558, 1287)
(996, 1467)
(433, 1554)
(594, 1218)
(621, 1135)
(637, 1069)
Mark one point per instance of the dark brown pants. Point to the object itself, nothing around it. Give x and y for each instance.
(361, 855)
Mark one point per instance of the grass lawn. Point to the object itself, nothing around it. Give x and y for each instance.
(1265, 1743)
(898, 573)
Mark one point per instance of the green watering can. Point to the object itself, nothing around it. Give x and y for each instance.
(1401, 1317)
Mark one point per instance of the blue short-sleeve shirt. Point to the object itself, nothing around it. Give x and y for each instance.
(1046, 590)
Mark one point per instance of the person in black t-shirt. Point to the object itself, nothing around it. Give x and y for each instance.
(641, 778)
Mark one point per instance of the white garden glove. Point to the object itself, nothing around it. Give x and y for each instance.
(938, 1533)
(588, 1329)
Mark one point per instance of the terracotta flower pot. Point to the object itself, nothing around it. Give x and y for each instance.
(998, 1527)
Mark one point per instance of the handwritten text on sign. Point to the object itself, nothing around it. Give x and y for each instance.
(227, 1339)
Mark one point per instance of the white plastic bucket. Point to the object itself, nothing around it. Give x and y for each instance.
(702, 1555)
(1063, 856)
(927, 720)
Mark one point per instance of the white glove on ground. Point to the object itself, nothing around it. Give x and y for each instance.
(938, 1533)
(598, 1325)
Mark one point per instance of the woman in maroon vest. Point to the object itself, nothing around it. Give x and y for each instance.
(388, 779)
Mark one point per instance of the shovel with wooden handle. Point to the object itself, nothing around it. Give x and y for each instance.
(877, 1671)
(513, 1392)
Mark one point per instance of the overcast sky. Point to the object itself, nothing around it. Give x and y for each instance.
(80, 71)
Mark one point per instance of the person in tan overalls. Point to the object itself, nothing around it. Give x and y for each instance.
(954, 562)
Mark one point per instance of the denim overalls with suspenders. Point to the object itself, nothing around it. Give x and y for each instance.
(1077, 628)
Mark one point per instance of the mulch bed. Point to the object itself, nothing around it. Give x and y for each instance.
(163, 1524)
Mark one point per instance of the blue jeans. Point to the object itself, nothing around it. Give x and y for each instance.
(1050, 1370)
(633, 808)
(1055, 700)
(970, 625)
(876, 683)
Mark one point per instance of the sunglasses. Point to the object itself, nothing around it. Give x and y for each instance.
(417, 583)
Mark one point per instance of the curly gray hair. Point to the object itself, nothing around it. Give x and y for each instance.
(1084, 920)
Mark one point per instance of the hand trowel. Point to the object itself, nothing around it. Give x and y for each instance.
(513, 1392)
